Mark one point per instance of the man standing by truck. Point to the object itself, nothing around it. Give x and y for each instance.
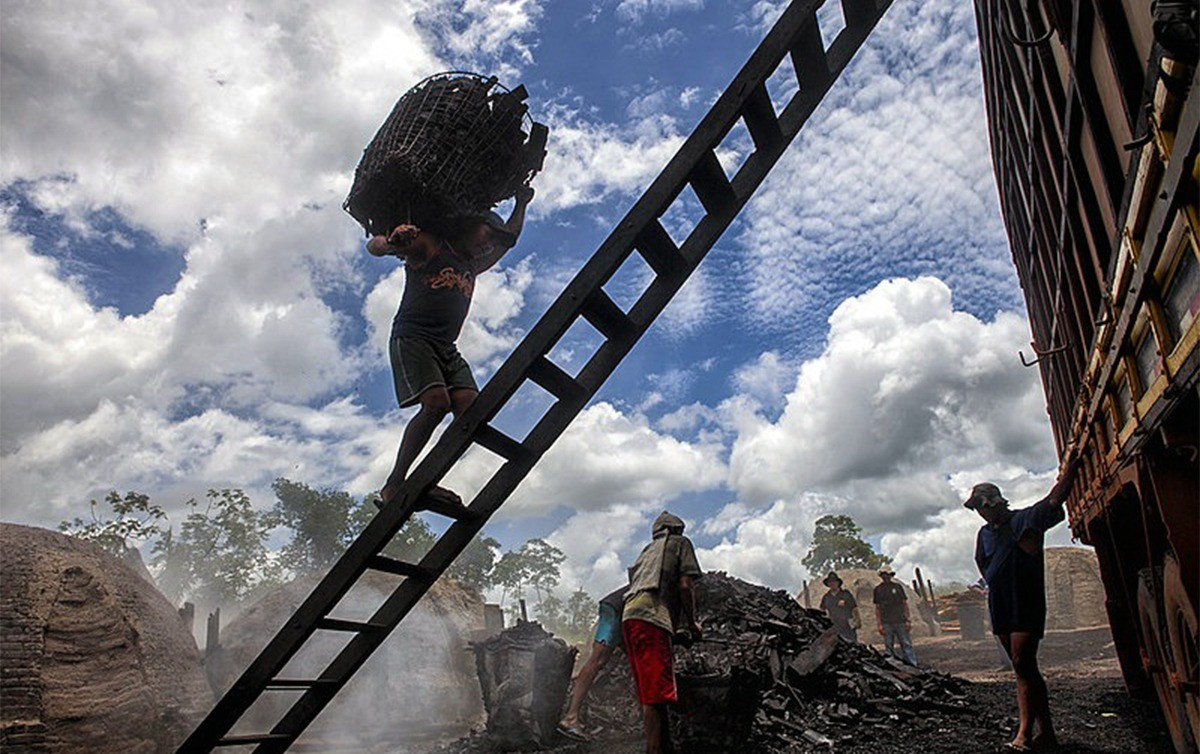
(1008, 551)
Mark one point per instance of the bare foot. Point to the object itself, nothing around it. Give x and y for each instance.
(441, 494)
(385, 495)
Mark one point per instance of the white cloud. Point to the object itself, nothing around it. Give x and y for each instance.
(906, 391)
(766, 547)
(588, 161)
(891, 177)
(637, 10)
(606, 456)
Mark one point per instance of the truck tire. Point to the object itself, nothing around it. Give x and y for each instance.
(1158, 663)
(1182, 636)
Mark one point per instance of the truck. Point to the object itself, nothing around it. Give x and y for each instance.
(1092, 117)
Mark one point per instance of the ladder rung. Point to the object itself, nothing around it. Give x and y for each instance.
(252, 738)
(711, 185)
(298, 683)
(445, 507)
(499, 443)
(660, 251)
(557, 382)
(808, 55)
(604, 315)
(337, 624)
(399, 567)
(759, 114)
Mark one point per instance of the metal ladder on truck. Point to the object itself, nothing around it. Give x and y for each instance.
(795, 34)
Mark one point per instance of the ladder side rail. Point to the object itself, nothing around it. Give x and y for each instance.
(299, 627)
(356, 652)
(733, 104)
(720, 118)
(612, 253)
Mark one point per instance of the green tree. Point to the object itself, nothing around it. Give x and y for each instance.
(535, 565)
(474, 566)
(219, 554)
(322, 522)
(580, 611)
(550, 613)
(837, 543)
(136, 521)
(511, 573)
(543, 563)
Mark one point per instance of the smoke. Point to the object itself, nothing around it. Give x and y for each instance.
(418, 688)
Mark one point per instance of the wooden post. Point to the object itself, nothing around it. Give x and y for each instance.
(493, 619)
(187, 613)
(212, 638)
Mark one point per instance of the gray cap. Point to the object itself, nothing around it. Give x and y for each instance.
(984, 495)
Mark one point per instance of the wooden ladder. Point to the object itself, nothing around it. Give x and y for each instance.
(796, 34)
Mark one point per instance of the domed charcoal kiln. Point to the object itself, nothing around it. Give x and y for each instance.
(455, 144)
(419, 684)
(1074, 592)
(95, 659)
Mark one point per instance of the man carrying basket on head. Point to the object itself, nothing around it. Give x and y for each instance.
(441, 264)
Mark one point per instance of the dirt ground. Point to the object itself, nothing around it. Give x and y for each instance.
(1093, 713)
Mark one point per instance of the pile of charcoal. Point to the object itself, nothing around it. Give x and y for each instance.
(769, 675)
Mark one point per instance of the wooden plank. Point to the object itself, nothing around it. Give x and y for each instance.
(710, 184)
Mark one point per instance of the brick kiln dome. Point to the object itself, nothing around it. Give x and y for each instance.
(95, 659)
(1074, 593)
(421, 684)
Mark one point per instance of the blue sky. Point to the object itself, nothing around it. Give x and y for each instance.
(183, 305)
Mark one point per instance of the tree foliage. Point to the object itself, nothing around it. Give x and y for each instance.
(535, 565)
(837, 543)
(580, 611)
(220, 552)
(136, 521)
(474, 566)
(322, 522)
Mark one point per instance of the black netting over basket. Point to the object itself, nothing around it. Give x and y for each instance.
(455, 144)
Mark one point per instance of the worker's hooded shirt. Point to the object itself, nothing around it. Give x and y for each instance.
(653, 594)
(438, 290)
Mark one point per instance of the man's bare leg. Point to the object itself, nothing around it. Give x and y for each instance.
(1032, 695)
(1041, 727)
(658, 736)
(435, 404)
(583, 682)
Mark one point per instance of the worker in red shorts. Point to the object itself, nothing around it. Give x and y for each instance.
(660, 602)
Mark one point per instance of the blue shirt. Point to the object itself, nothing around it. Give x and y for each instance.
(1009, 556)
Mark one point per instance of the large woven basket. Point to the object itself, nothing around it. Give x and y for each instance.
(455, 144)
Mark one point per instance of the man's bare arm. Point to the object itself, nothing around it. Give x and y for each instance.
(495, 252)
(398, 243)
(516, 221)
(687, 603)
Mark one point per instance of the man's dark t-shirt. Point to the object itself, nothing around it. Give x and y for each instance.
(437, 294)
(890, 599)
(1012, 563)
(840, 605)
